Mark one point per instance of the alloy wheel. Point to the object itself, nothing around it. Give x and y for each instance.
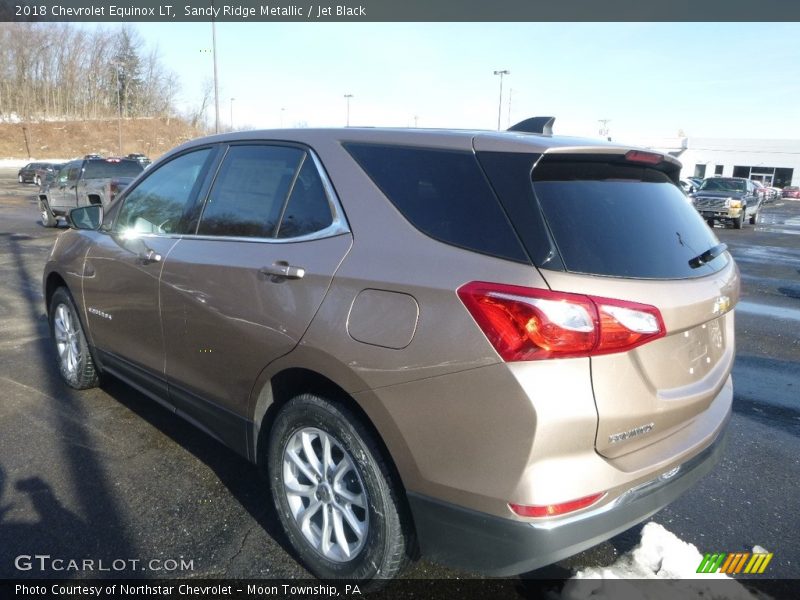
(66, 335)
(325, 493)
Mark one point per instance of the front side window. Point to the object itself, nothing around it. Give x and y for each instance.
(158, 203)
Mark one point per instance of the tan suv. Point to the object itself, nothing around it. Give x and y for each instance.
(491, 349)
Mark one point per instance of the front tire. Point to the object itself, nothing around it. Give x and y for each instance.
(73, 356)
(19, 178)
(334, 494)
(754, 218)
(737, 222)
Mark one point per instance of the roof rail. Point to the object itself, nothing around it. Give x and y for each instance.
(543, 125)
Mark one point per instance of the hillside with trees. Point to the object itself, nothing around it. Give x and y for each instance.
(67, 90)
(64, 72)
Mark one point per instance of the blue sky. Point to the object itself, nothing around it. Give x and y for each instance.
(649, 79)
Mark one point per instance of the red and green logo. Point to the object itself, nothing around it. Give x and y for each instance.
(733, 564)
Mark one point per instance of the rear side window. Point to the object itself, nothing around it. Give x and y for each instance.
(622, 221)
(308, 210)
(443, 194)
(102, 169)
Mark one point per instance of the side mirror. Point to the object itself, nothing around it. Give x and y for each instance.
(86, 217)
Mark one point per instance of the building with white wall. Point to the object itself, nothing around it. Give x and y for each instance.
(773, 162)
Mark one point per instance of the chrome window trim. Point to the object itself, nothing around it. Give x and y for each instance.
(337, 227)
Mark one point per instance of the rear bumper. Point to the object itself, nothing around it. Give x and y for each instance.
(488, 544)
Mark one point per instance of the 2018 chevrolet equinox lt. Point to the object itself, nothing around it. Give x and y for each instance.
(492, 349)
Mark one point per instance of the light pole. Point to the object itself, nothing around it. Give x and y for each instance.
(510, 95)
(500, 102)
(216, 84)
(283, 110)
(347, 97)
(232, 99)
(604, 129)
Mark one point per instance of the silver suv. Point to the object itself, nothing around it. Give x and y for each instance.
(475, 346)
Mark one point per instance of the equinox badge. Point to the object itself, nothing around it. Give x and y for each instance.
(631, 433)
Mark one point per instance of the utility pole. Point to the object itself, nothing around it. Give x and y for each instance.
(500, 102)
(119, 110)
(232, 99)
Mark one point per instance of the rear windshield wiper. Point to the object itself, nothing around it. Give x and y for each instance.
(707, 256)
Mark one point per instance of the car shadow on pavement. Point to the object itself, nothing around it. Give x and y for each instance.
(99, 532)
(104, 533)
(242, 479)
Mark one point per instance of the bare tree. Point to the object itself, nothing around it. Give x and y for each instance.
(57, 70)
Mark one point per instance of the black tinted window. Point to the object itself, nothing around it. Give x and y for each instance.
(308, 210)
(250, 191)
(443, 194)
(622, 221)
(102, 169)
(158, 203)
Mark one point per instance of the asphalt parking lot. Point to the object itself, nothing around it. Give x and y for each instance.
(109, 475)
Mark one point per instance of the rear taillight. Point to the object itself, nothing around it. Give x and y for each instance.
(553, 510)
(530, 324)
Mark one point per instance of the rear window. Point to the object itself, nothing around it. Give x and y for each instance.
(102, 169)
(723, 185)
(442, 193)
(622, 221)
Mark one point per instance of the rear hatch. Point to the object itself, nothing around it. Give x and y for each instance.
(612, 224)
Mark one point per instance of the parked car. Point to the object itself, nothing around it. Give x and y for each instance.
(687, 186)
(85, 181)
(791, 191)
(696, 181)
(728, 199)
(479, 347)
(140, 158)
(27, 174)
(45, 171)
(773, 193)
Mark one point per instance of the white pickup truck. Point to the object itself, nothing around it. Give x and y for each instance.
(85, 181)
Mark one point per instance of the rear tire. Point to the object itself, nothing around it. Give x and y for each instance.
(48, 218)
(73, 356)
(337, 500)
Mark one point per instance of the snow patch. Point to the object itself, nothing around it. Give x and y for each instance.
(660, 556)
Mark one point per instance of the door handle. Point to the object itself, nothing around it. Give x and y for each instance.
(149, 256)
(283, 270)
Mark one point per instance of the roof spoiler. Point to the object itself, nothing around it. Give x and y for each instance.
(543, 125)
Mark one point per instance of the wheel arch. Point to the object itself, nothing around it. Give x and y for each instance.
(293, 381)
(52, 283)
